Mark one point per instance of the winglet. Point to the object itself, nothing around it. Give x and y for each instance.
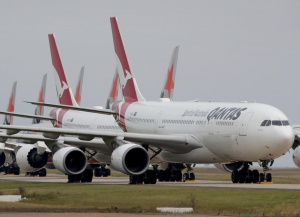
(128, 83)
(79, 86)
(8, 120)
(64, 92)
(39, 110)
(168, 87)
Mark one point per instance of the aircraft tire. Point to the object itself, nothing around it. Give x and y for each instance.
(249, 177)
(261, 177)
(43, 173)
(235, 176)
(242, 176)
(98, 172)
(160, 175)
(269, 177)
(185, 177)
(255, 176)
(192, 176)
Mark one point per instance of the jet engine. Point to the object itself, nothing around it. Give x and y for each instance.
(296, 156)
(2, 158)
(230, 167)
(29, 159)
(70, 160)
(130, 159)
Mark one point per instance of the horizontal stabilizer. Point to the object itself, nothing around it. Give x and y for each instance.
(27, 116)
(97, 111)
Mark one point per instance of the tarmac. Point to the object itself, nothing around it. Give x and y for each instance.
(60, 178)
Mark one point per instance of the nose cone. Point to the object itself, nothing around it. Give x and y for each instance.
(283, 139)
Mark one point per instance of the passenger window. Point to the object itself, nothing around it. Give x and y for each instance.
(269, 123)
(264, 123)
(276, 123)
(285, 123)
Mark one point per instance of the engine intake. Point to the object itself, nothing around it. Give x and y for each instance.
(130, 159)
(230, 167)
(29, 159)
(296, 156)
(70, 160)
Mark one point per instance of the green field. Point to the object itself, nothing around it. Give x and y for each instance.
(145, 198)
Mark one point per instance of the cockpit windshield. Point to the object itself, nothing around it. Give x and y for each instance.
(275, 123)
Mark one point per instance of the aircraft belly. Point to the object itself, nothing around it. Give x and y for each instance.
(197, 156)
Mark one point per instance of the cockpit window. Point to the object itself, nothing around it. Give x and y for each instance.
(269, 123)
(264, 123)
(285, 123)
(276, 123)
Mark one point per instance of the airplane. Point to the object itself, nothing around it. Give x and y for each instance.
(62, 86)
(11, 147)
(189, 132)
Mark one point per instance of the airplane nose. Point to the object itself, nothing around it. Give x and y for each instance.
(284, 138)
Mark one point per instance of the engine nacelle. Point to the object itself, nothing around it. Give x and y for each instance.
(130, 159)
(230, 167)
(70, 160)
(296, 156)
(2, 158)
(29, 159)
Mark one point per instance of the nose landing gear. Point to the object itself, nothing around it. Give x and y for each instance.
(265, 177)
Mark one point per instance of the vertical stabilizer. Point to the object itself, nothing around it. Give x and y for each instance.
(128, 83)
(79, 86)
(8, 120)
(64, 92)
(39, 110)
(113, 93)
(169, 84)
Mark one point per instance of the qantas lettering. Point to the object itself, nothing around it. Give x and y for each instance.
(225, 113)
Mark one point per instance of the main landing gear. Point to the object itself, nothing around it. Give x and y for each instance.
(245, 175)
(99, 172)
(171, 174)
(41, 173)
(11, 169)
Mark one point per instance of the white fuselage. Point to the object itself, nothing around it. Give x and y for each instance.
(231, 131)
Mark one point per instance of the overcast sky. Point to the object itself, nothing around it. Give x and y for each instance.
(230, 51)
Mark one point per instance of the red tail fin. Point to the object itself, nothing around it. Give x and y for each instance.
(64, 93)
(79, 86)
(39, 110)
(168, 88)
(113, 93)
(8, 120)
(128, 84)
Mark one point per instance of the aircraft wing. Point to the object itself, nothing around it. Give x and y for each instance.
(176, 143)
(83, 109)
(27, 116)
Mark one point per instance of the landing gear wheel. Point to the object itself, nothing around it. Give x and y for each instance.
(153, 177)
(242, 175)
(192, 176)
(249, 177)
(235, 176)
(269, 177)
(133, 180)
(42, 172)
(185, 177)
(98, 172)
(167, 175)
(255, 176)
(87, 175)
(160, 175)
(178, 176)
(17, 171)
(147, 177)
(261, 177)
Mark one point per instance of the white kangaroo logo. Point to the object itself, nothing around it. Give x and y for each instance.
(123, 79)
(60, 89)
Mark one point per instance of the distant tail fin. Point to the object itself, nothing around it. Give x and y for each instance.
(113, 93)
(64, 92)
(8, 120)
(129, 86)
(39, 110)
(168, 88)
(79, 86)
